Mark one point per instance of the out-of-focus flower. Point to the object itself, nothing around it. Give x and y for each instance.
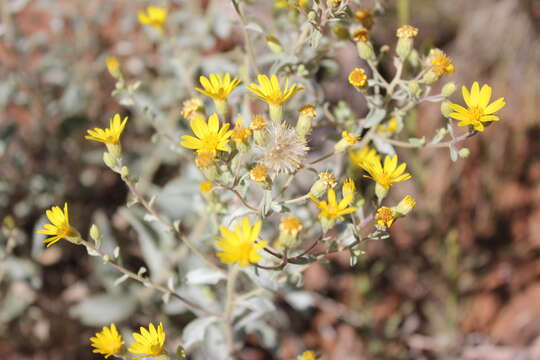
(365, 17)
(305, 120)
(389, 128)
(406, 35)
(358, 77)
(59, 228)
(259, 173)
(153, 16)
(360, 156)
(206, 186)
(308, 355)
(360, 35)
(283, 150)
(240, 245)
(326, 181)
(191, 107)
(440, 63)
(289, 228)
(479, 110)
(110, 135)
(107, 342)
(405, 206)
(149, 342)
(113, 65)
(239, 132)
(406, 32)
(348, 188)
(345, 142)
(210, 138)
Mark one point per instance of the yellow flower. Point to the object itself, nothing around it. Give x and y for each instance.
(269, 90)
(365, 17)
(206, 186)
(308, 110)
(240, 246)
(440, 63)
(239, 132)
(385, 216)
(190, 107)
(153, 16)
(110, 135)
(259, 173)
(218, 87)
(478, 110)
(113, 65)
(348, 188)
(345, 142)
(361, 156)
(308, 355)
(107, 342)
(405, 206)
(148, 342)
(361, 34)
(59, 228)
(406, 32)
(290, 225)
(209, 136)
(388, 173)
(258, 123)
(389, 128)
(358, 77)
(331, 209)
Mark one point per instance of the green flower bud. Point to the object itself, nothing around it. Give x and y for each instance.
(445, 108)
(273, 44)
(464, 153)
(365, 50)
(430, 77)
(448, 89)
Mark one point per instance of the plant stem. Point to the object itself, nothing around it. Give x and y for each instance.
(229, 307)
(146, 281)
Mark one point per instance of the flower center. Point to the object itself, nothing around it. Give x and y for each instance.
(210, 143)
(476, 113)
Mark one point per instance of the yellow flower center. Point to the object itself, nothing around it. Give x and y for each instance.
(476, 113)
(384, 179)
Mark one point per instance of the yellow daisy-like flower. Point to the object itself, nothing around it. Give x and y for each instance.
(440, 63)
(110, 135)
(107, 342)
(210, 138)
(478, 110)
(218, 87)
(358, 77)
(239, 132)
(386, 174)
(149, 342)
(385, 216)
(308, 355)
(269, 90)
(361, 156)
(153, 16)
(257, 123)
(59, 228)
(240, 246)
(331, 209)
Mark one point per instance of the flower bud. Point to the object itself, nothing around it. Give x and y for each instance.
(464, 153)
(430, 77)
(448, 89)
(414, 58)
(113, 65)
(406, 35)
(365, 51)
(124, 173)
(288, 231)
(305, 120)
(341, 32)
(326, 181)
(95, 234)
(273, 44)
(347, 140)
(348, 188)
(405, 206)
(445, 108)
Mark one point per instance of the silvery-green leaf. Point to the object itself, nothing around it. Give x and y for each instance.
(120, 280)
(204, 276)
(253, 26)
(453, 153)
(374, 117)
(300, 300)
(194, 332)
(384, 147)
(103, 309)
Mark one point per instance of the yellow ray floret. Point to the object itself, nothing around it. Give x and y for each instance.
(364, 155)
(149, 342)
(240, 245)
(59, 228)
(479, 110)
(110, 135)
(269, 90)
(107, 342)
(210, 138)
(153, 16)
(217, 87)
(386, 174)
(331, 209)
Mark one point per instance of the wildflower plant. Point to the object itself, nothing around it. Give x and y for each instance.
(274, 193)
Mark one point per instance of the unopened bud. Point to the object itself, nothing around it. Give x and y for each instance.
(365, 50)
(273, 44)
(446, 108)
(448, 89)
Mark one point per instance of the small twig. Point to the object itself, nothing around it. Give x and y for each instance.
(146, 281)
(235, 192)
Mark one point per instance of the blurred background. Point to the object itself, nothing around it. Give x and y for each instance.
(459, 280)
